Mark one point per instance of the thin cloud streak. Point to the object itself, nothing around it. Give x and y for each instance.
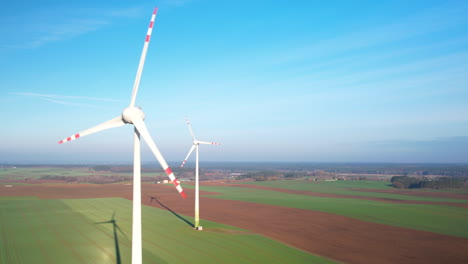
(70, 23)
(178, 3)
(70, 103)
(65, 31)
(68, 97)
(401, 30)
(61, 99)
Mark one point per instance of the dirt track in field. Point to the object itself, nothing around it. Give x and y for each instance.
(336, 237)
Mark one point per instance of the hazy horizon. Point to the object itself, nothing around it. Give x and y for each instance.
(175, 164)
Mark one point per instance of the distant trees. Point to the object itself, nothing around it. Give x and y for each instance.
(296, 174)
(323, 174)
(262, 176)
(96, 179)
(101, 168)
(278, 175)
(58, 178)
(405, 182)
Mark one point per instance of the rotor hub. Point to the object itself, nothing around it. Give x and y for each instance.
(131, 113)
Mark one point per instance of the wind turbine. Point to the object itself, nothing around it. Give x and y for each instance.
(195, 145)
(135, 116)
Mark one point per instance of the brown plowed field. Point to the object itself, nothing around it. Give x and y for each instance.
(336, 237)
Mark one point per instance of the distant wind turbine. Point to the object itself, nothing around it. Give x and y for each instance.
(135, 116)
(195, 145)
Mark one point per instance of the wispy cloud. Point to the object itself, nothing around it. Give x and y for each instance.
(69, 100)
(56, 25)
(419, 24)
(64, 31)
(176, 2)
(128, 12)
(55, 96)
(71, 103)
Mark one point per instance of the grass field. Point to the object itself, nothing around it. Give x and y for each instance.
(38, 172)
(447, 220)
(71, 231)
(346, 188)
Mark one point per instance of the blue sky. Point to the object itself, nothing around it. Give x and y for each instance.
(319, 81)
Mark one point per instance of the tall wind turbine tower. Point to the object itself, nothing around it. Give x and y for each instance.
(135, 116)
(195, 145)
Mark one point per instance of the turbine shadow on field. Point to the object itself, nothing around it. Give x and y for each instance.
(153, 198)
(116, 238)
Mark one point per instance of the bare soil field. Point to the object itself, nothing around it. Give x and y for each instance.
(32, 181)
(336, 237)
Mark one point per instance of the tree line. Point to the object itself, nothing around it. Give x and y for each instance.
(405, 182)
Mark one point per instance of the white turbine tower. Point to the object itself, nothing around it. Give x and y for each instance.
(134, 115)
(195, 145)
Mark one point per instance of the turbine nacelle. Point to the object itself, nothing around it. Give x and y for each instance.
(198, 142)
(132, 113)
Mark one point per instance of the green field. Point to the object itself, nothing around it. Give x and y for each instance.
(449, 220)
(348, 188)
(69, 231)
(36, 173)
(81, 174)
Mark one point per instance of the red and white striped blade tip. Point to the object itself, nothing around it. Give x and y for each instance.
(175, 182)
(76, 136)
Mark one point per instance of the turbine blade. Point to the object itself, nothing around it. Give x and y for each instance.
(190, 152)
(190, 128)
(142, 58)
(107, 222)
(207, 143)
(115, 122)
(141, 127)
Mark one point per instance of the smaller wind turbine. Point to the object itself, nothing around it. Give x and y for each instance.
(195, 145)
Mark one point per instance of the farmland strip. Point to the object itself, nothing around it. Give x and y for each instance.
(345, 196)
(38, 238)
(6, 251)
(60, 237)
